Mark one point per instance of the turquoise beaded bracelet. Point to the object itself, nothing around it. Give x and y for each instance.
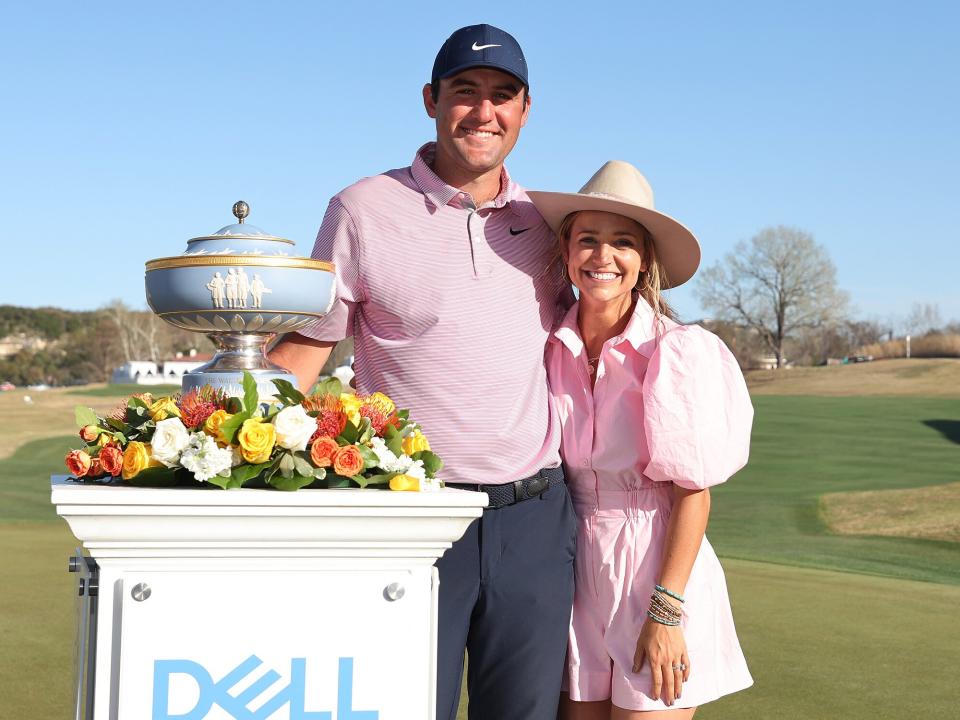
(675, 596)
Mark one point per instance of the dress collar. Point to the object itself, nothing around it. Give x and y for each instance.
(440, 193)
(640, 330)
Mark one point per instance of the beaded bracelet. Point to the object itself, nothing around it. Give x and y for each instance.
(664, 608)
(662, 620)
(675, 596)
(660, 601)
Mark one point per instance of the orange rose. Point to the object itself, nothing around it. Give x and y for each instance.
(322, 451)
(89, 433)
(111, 460)
(78, 463)
(96, 469)
(347, 461)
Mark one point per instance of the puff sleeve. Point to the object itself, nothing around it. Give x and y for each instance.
(697, 411)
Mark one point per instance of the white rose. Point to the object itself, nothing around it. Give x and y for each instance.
(204, 458)
(169, 440)
(294, 428)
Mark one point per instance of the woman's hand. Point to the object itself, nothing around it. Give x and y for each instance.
(664, 647)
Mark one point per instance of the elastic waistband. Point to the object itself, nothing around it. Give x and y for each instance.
(648, 497)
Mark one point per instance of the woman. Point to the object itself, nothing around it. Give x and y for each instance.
(653, 413)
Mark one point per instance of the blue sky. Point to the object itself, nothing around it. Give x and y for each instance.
(127, 128)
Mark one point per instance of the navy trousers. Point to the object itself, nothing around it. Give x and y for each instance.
(506, 590)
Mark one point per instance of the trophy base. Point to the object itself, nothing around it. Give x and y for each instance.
(238, 352)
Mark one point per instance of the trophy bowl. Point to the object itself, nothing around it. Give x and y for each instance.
(241, 286)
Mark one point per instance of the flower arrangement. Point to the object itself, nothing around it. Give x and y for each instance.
(325, 439)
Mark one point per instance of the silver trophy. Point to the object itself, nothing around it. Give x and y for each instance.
(242, 286)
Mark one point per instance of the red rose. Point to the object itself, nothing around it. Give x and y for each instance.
(78, 463)
(96, 469)
(322, 451)
(347, 461)
(111, 460)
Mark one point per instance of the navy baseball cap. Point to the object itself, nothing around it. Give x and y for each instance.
(480, 46)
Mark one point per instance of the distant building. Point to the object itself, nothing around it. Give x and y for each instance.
(143, 372)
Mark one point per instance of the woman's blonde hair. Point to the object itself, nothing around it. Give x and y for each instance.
(651, 280)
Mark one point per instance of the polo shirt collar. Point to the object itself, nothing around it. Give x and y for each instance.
(440, 194)
(640, 330)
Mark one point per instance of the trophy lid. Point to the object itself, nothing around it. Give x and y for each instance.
(240, 230)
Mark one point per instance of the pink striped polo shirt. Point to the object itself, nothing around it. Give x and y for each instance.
(450, 306)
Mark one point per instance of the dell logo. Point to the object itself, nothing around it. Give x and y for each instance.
(238, 706)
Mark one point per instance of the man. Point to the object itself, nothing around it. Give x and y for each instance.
(449, 283)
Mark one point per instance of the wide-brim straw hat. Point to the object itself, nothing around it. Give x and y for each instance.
(618, 187)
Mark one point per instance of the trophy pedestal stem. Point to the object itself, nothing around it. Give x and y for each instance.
(238, 352)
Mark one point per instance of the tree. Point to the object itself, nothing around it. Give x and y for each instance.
(777, 284)
(923, 319)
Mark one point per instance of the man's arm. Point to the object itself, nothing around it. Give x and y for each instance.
(302, 356)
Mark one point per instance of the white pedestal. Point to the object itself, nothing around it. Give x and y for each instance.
(257, 604)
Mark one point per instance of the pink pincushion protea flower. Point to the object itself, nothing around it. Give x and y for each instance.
(194, 410)
(380, 411)
(331, 419)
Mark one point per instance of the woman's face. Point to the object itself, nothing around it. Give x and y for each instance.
(605, 255)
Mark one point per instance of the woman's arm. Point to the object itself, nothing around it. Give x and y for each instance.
(663, 645)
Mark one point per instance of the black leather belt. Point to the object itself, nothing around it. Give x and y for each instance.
(518, 491)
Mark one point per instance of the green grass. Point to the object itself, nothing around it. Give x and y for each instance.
(25, 478)
(806, 446)
(123, 390)
(821, 644)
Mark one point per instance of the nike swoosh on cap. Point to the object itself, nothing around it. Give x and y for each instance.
(517, 232)
(483, 47)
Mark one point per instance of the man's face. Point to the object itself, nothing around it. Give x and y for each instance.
(479, 114)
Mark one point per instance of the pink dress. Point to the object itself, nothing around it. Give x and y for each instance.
(665, 410)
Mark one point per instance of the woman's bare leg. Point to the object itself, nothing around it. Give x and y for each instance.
(618, 713)
(573, 710)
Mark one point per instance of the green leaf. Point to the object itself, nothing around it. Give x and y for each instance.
(370, 459)
(251, 398)
(288, 393)
(394, 440)
(85, 416)
(330, 386)
(287, 465)
(381, 478)
(230, 427)
(241, 474)
(234, 405)
(320, 473)
(337, 481)
(155, 477)
(365, 430)
(295, 482)
(431, 462)
(350, 433)
(302, 466)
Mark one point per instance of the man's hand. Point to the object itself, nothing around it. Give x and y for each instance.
(302, 356)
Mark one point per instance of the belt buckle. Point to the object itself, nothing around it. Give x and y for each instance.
(535, 486)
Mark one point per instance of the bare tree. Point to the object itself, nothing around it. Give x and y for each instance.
(778, 283)
(923, 319)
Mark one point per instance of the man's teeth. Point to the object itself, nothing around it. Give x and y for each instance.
(480, 133)
(601, 275)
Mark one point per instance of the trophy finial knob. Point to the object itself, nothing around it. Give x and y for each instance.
(240, 210)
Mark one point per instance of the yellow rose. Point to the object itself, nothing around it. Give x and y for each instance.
(351, 406)
(212, 425)
(256, 439)
(404, 482)
(137, 457)
(415, 442)
(163, 408)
